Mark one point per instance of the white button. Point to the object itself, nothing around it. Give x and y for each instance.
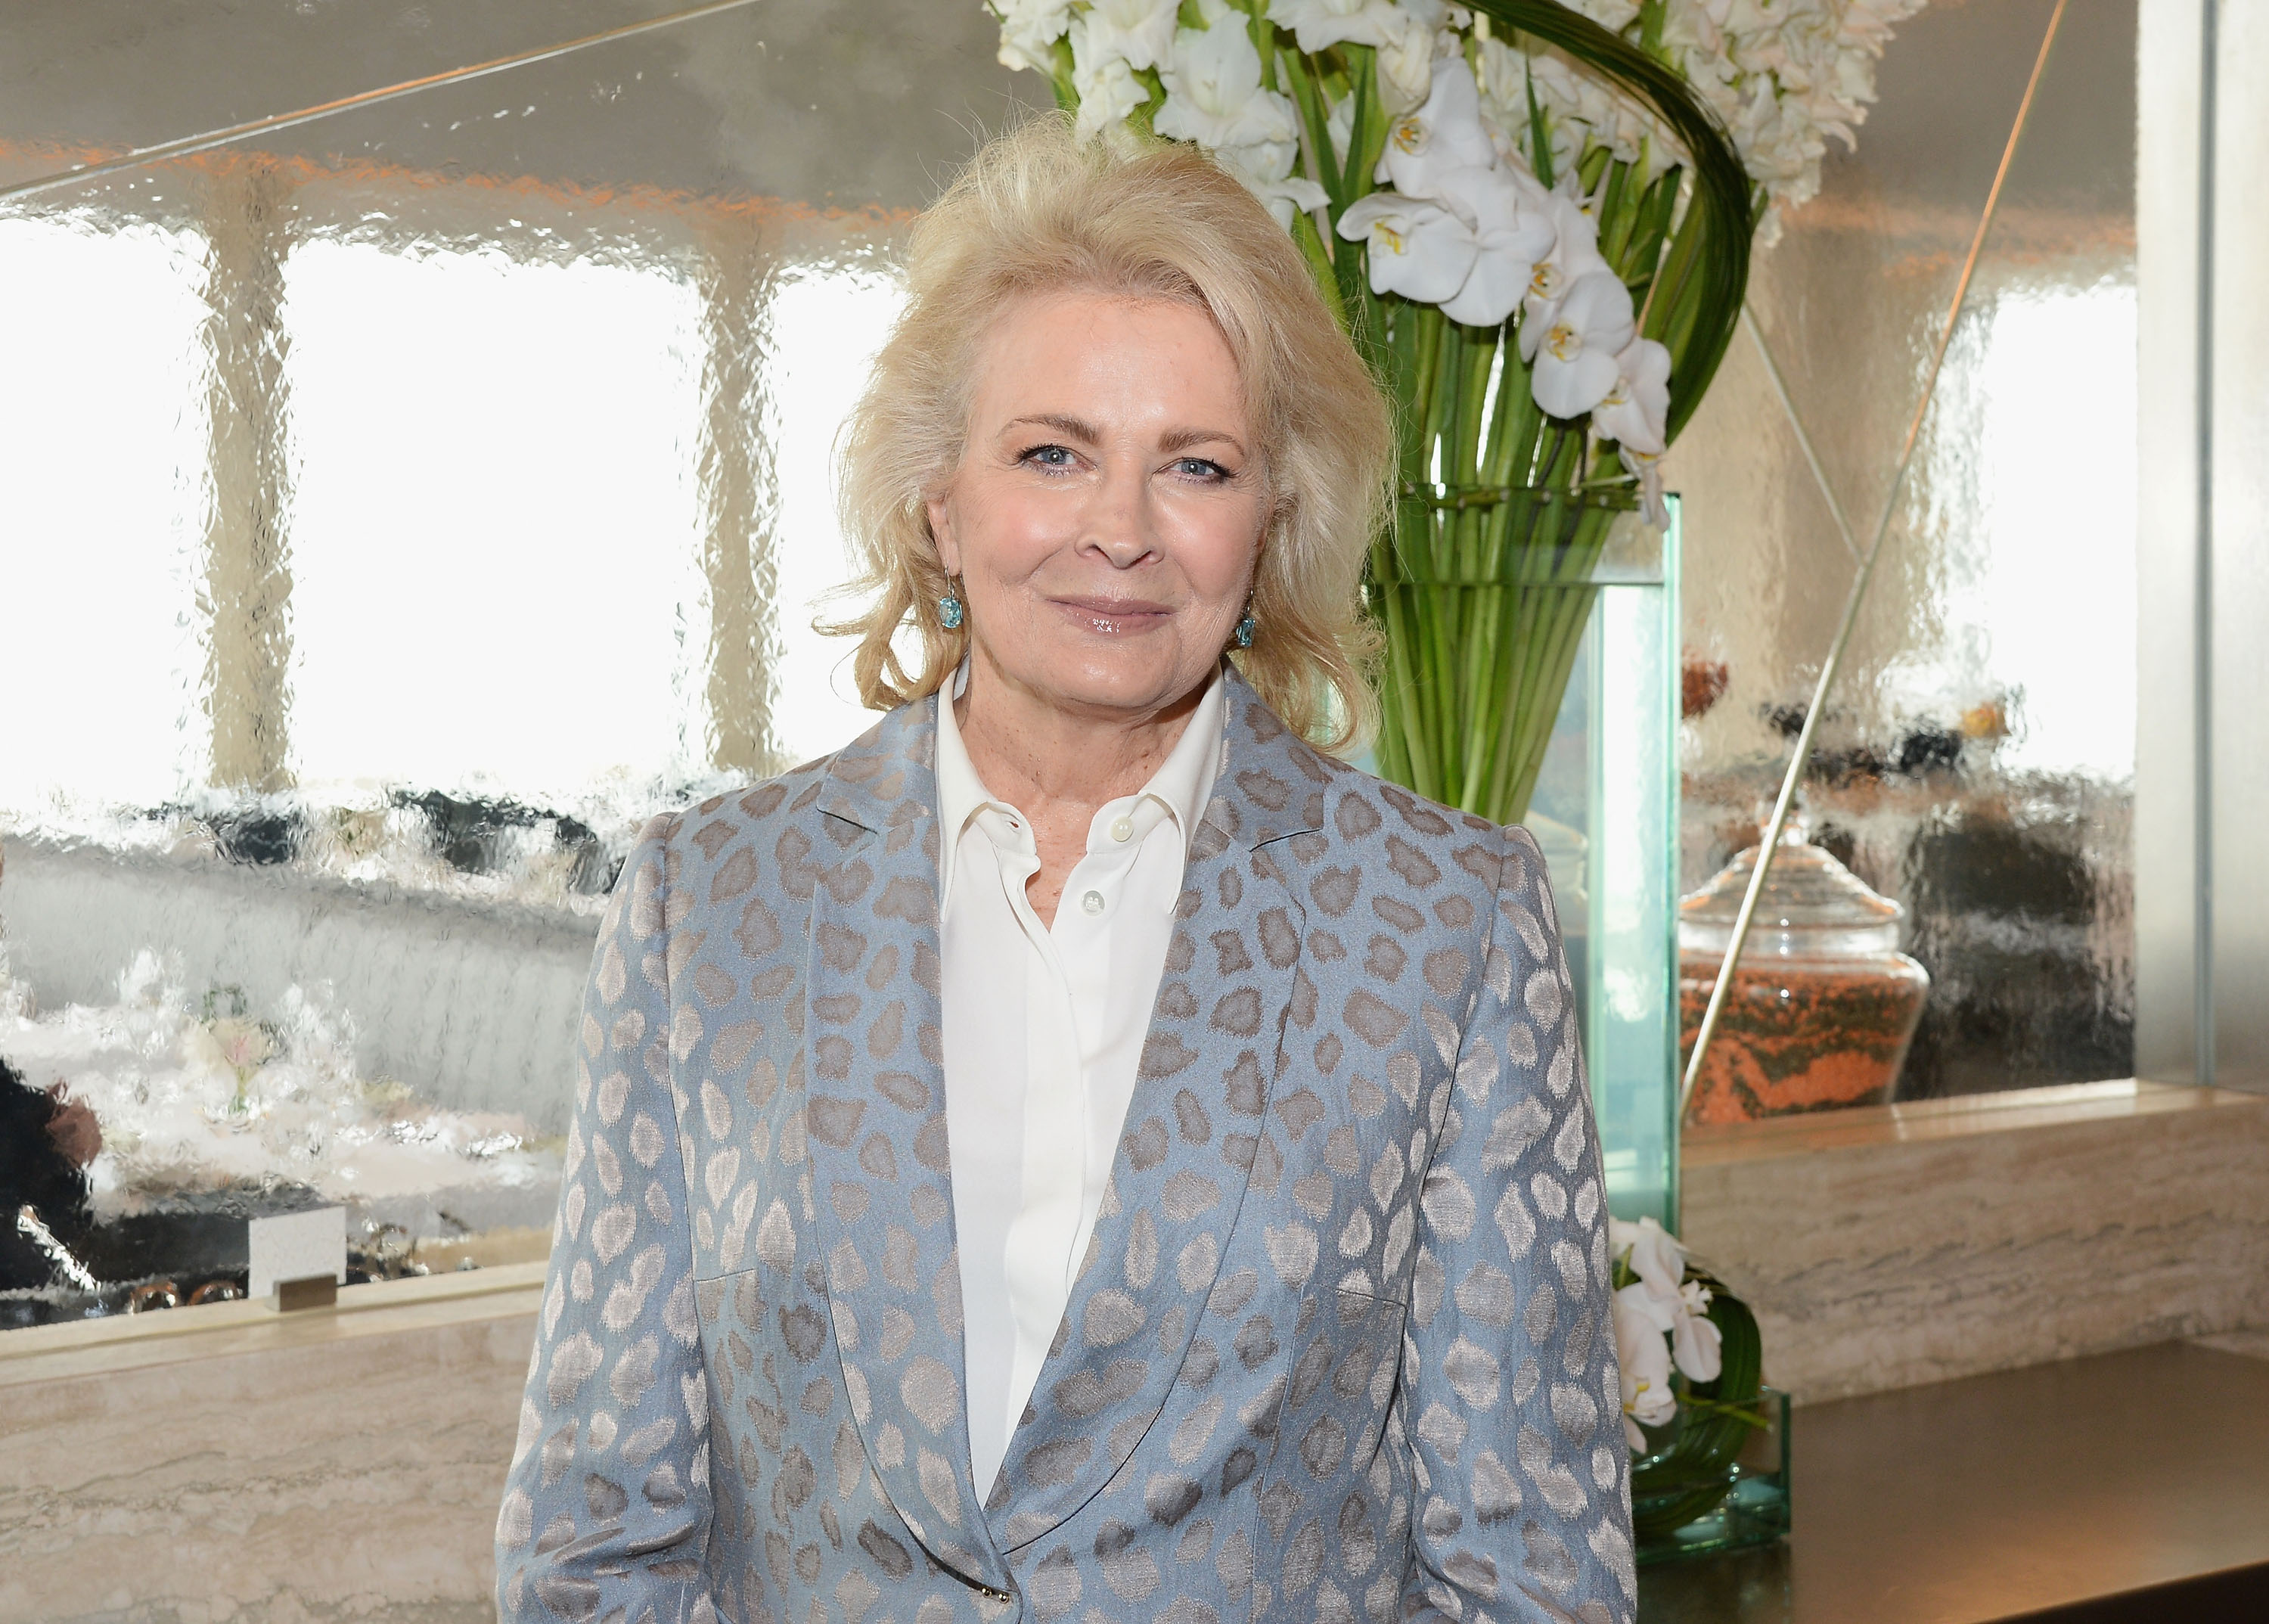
(1092, 902)
(1123, 830)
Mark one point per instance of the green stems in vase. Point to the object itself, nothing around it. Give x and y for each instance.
(1485, 581)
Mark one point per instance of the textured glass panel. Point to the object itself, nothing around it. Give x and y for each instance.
(399, 508)
(102, 430)
(1977, 761)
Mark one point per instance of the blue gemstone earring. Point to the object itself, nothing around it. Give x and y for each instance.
(948, 607)
(1246, 629)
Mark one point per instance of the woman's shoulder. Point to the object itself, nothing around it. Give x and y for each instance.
(719, 846)
(1416, 837)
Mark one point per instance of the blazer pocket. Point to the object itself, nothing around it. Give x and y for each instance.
(1325, 1502)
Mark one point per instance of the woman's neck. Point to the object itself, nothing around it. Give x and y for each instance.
(1058, 765)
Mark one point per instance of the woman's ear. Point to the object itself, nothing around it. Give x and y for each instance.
(941, 533)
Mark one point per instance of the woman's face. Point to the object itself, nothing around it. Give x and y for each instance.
(1107, 512)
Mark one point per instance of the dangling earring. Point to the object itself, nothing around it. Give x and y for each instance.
(950, 606)
(1245, 628)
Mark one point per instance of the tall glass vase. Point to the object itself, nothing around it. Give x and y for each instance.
(1532, 640)
(1484, 592)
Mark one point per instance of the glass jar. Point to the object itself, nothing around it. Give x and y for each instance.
(1824, 1004)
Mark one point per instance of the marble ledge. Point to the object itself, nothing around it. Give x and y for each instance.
(58, 1353)
(1890, 1246)
(246, 1467)
(1919, 1121)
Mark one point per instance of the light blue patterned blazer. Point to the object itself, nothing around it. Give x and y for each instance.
(1341, 1347)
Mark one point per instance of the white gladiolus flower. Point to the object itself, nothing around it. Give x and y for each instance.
(1139, 31)
(1214, 98)
(1340, 126)
(1028, 28)
(1406, 64)
(1266, 168)
(1105, 85)
(1635, 413)
(1443, 135)
(1214, 95)
(1511, 234)
(1418, 250)
(1318, 24)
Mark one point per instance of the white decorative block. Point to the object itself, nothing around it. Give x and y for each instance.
(296, 1247)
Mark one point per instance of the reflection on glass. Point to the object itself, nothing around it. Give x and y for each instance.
(395, 519)
(102, 429)
(491, 524)
(1978, 759)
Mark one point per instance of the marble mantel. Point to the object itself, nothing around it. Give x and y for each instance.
(224, 1463)
(1892, 1246)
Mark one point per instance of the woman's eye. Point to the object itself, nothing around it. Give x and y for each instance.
(1198, 468)
(1049, 456)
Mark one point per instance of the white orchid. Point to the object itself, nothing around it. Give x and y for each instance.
(1575, 255)
(1695, 1342)
(1636, 410)
(1443, 135)
(1575, 365)
(1417, 249)
(1141, 33)
(1645, 1359)
(1340, 126)
(1661, 1319)
(1028, 28)
(1646, 468)
(1511, 234)
(1105, 85)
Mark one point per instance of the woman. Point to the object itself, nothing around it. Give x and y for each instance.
(1080, 1149)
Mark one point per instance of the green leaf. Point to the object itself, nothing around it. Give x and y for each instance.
(1316, 121)
(1706, 298)
(1321, 269)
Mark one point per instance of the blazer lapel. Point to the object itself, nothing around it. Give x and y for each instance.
(1192, 1136)
(876, 1130)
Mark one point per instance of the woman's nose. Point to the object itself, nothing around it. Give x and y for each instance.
(1119, 522)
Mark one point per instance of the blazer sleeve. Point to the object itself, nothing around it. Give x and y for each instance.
(606, 1510)
(1511, 1400)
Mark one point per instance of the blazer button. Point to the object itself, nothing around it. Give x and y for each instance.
(1092, 902)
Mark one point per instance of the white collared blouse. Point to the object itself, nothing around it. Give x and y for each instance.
(1043, 1028)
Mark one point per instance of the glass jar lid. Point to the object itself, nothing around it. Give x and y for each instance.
(1812, 907)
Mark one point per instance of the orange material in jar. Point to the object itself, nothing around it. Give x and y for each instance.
(1795, 1039)
(1823, 1005)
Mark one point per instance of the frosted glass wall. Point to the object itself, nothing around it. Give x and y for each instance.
(1977, 760)
(398, 508)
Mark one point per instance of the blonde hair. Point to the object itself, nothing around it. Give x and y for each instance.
(1041, 210)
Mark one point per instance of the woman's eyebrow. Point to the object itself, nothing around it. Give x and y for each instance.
(1074, 428)
(1177, 439)
(1079, 429)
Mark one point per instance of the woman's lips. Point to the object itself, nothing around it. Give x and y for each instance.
(1114, 616)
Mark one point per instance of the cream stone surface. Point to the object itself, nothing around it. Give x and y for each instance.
(338, 1464)
(229, 1463)
(2253, 1342)
(1890, 1246)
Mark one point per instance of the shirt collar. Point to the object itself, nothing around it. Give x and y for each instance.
(1182, 784)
